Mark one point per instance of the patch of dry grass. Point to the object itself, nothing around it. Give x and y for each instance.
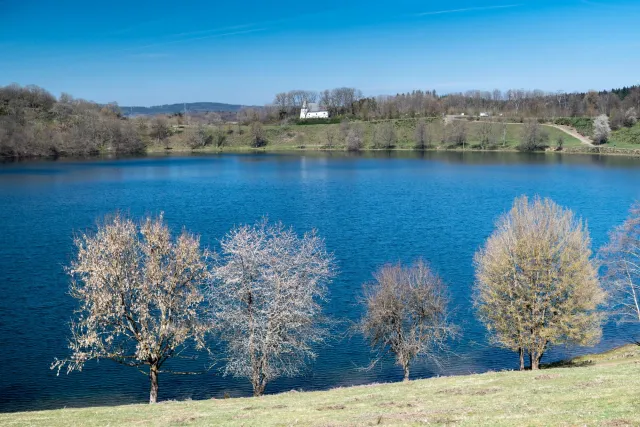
(603, 392)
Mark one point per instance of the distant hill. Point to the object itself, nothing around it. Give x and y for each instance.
(192, 107)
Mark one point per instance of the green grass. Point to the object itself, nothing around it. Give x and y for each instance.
(601, 389)
(626, 138)
(310, 137)
(584, 125)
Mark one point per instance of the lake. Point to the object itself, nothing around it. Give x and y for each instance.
(370, 209)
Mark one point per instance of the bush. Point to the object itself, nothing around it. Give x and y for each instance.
(355, 138)
(330, 120)
(219, 138)
(199, 137)
(258, 136)
(630, 117)
(385, 136)
(534, 137)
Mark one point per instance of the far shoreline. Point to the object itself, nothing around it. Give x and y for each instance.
(183, 151)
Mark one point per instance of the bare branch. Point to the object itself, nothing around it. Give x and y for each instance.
(265, 301)
(407, 314)
(139, 292)
(535, 282)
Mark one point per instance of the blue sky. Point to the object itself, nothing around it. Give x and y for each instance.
(157, 52)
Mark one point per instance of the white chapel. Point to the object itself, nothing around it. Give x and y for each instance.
(312, 112)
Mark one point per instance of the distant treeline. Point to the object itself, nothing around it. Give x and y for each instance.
(34, 123)
(520, 103)
(190, 107)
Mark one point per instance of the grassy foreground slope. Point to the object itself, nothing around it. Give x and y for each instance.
(601, 390)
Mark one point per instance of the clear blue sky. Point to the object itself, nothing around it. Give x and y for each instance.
(157, 52)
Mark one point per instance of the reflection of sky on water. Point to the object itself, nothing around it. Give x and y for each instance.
(370, 208)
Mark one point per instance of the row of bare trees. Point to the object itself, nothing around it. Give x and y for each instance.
(256, 307)
(338, 101)
(448, 132)
(513, 103)
(145, 296)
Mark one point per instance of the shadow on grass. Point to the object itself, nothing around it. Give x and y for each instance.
(568, 364)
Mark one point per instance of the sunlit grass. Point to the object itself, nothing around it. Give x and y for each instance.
(310, 137)
(601, 389)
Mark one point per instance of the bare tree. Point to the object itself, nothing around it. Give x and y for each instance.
(534, 137)
(258, 135)
(213, 118)
(459, 132)
(345, 127)
(621, 259)
(140, 293)
(355, 138)
(423, 135)
(199, 137)
(536, 285)
(487, 135)
(160, 130)
(601, 129)
(266, 301)
(331, 137)
(407, 313)
(219, 138)
(385, 136)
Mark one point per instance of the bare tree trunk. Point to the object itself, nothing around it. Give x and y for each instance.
(406, 373)
(153, 376)
(521, 351)
(535, 363)
(259, 385)
(256, 379)
(535, 357)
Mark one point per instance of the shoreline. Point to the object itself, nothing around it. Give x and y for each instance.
(605, 382)
(599, 151)
(181, 151)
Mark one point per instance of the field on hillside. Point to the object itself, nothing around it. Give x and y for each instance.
(601, 390)
(288, 137)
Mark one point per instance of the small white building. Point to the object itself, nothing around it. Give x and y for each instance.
(312, 112)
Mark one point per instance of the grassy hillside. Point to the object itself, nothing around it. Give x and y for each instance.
(293, 136)
(626, 137)
(621, 138)
(594, 390)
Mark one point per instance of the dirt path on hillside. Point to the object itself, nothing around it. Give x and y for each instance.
(574, 133)
(566, 129)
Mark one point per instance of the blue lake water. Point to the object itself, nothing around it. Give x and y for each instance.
(370, 209)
